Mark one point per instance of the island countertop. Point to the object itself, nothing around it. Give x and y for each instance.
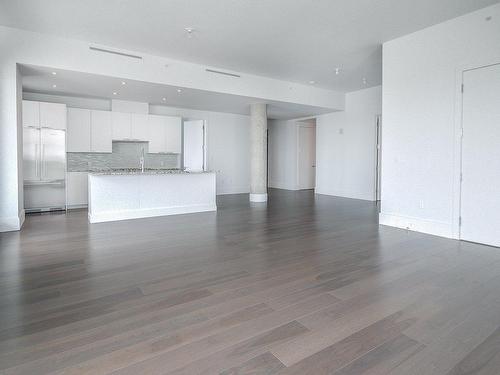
(136, 171)
(131, 194)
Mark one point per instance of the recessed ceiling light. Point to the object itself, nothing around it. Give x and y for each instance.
(337, 71)
(54, 73)
(124, 83)
(164, 99)
(54, 86)
(179, 90)
(115, 93)
(190, 31)
(312, 82)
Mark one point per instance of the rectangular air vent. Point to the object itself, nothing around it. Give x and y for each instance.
(223, 73)
(115, 52)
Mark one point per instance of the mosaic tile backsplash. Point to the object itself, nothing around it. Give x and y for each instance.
(124, 155)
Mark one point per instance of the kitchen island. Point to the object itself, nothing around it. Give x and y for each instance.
(132, 194)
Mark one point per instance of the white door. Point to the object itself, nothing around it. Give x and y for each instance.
(480, 203)
(194, 145)
(306, 157)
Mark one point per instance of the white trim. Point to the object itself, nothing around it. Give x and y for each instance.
(12, 223)
(149, 212)
(342, 194)
(76, 206)
(436, 228)
(258, 198)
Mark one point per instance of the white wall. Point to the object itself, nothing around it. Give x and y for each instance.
(24, 47)
(422, 74)
(282, 162)
(346, 147)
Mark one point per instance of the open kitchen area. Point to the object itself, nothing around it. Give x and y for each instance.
(119, 163)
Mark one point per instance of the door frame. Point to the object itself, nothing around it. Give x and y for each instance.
(304, 124)
(378, 158)
(205, 125)
(458, 141)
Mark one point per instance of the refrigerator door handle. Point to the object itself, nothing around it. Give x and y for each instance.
(36, 160)
(43, 162)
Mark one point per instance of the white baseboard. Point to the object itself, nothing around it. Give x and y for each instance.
(150, 212)
(12, 223)
(76, 206)
(436, 228)
(280, 185)
(343, 195)
(258, 198)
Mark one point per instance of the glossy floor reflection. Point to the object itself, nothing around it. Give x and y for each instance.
(304, 284)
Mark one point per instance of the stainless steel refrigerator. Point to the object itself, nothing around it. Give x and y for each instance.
(44, 169)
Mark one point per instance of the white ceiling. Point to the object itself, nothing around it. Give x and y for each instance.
(41, 80)
(295, 40)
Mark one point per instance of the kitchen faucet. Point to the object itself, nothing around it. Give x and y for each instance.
(141, 160)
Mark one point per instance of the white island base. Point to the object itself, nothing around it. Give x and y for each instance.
(139, 195)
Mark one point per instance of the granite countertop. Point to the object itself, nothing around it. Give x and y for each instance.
(134, 171)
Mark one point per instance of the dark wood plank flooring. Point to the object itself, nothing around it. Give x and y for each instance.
(303, 285)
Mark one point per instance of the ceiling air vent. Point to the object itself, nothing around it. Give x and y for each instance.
(223, 73)
(115, 52)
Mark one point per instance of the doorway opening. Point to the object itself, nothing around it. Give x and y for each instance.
(306, 154)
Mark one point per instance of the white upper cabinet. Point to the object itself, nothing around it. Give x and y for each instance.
(173, 134)
(157, 133)
(31, 114)
(101, 131)
(44, 115)
(94, 131)
(139, 127)
(78, 133)
(52, 115)
(121, 125)
(164, 134)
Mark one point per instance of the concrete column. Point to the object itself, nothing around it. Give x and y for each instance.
(258, 152)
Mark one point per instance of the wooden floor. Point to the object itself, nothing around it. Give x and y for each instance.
(306, 285)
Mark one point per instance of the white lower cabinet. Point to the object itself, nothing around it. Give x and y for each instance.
(76, 189)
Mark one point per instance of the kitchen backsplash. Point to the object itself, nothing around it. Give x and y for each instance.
(124, 155)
